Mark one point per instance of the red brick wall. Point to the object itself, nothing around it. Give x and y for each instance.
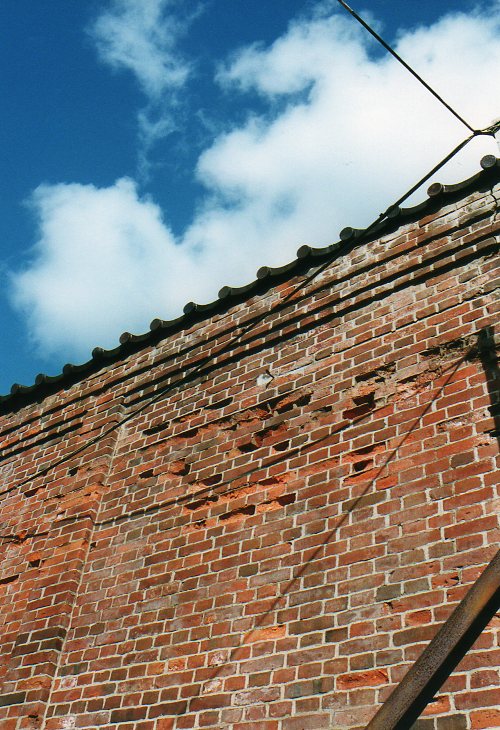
(271, 545)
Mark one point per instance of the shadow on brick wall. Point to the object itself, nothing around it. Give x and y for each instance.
(489, 360)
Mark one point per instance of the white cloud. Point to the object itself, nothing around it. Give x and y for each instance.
(353, 132)
(103, 255)
(142, 37)
(347, 132)
(106, 262)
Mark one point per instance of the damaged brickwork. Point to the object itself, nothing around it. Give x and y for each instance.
(271, 544)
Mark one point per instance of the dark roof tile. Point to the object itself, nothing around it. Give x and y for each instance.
(228, 295)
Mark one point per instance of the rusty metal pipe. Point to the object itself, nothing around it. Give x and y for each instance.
(441, 656)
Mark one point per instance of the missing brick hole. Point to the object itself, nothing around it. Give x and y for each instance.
(288, 403)
(379, 374)
(365, 399)
(31, 492)
(361, 465)
(73, 471)
(154, 429)
(192, 506)
(283, 446)
(324, 409)
(146, 474)
(367, 449)
(278, 503)
(179, 468)
(286, 499)
(190, 433)
(8, 579)
(240, 513)
(363, 405)
(219, 404)
(212, 481)
(450, 348)
(248, 447)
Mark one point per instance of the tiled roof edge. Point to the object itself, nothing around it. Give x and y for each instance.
(307, 256)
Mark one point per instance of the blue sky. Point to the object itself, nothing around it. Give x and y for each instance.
(154, 150)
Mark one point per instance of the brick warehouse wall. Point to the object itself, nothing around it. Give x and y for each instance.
(271, 545)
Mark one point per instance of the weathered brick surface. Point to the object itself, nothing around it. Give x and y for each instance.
(270, 545)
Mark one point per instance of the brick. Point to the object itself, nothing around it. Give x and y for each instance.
(487, 718)
(270, 544)
(14, 698)
(452, 722)
(423, 724)
(362, 679)
(128, 714)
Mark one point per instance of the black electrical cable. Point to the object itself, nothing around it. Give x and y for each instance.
(197, 370)
(489, 131)
(365, 233)
(406, 65)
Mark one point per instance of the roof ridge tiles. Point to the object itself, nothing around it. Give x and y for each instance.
(158, 328)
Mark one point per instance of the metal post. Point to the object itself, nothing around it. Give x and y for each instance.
(442, 655)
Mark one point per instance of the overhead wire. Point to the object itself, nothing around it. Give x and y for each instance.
(405, 64)
(197, 370)
(491, 130)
